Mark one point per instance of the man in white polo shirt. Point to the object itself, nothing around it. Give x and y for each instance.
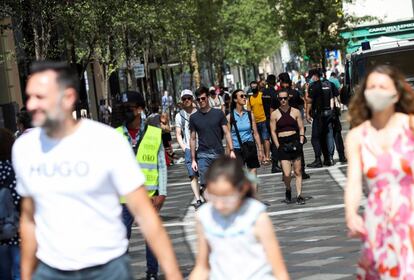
(71, 175)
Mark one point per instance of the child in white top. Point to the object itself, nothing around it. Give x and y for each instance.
(236, 239)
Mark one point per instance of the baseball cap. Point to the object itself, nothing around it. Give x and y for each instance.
(186, 92)
(133, 97)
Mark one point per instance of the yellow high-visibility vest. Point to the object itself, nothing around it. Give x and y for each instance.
(147, 157)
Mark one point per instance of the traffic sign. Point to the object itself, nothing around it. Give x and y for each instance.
(139, 71)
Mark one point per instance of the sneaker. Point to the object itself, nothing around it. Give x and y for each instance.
(276, 169)
(180, 160)
(305, 176)
(316, 164)
(343, 160)
(300, 200)
(288, 196)
(198, 204)
(328, 162)
(151, 276)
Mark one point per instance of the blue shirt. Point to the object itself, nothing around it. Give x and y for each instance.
(244, 127)
(335, 81)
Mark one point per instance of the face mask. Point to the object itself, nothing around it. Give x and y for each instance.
(378, 100)
(255, 90)
(128, 116)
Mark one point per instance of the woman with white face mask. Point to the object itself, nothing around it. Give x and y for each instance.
(381, 151)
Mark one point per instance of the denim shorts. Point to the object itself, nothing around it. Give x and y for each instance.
(204, 160)
(116, 269)
(262, 130)
(188, 161)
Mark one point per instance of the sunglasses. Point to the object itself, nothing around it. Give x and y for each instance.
(243, 96)
(201, 99)
(186, 98)
(283, 98)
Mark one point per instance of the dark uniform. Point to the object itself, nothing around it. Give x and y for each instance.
(321, 93)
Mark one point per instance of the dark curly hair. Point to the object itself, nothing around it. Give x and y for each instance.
(358, 108)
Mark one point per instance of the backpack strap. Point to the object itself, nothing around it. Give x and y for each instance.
(183, 119)
(234, 123)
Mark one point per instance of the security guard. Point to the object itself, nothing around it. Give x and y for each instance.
(145, 139)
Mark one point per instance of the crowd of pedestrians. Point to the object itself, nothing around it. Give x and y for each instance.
(77, 199)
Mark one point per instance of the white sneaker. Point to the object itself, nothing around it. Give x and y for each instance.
(180, 160)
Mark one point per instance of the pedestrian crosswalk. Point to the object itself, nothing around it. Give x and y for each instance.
(313, 236)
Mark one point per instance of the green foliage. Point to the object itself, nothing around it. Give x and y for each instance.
(116, 33)
(313, 26)
(251, 31)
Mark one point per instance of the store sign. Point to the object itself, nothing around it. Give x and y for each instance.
(139, 71)
(391, 28)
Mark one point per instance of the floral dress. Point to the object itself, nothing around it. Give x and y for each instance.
(8, 179)
(388, 247)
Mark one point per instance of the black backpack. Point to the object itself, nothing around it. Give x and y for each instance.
(9, 216)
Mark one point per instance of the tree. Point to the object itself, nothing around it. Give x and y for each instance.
(251, 30)
(37, 20)
(313, 27)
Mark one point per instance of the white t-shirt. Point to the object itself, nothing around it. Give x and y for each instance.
(76, 183)
(179, 123)
(216, 103)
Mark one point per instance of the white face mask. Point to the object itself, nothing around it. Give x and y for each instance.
(378, 100)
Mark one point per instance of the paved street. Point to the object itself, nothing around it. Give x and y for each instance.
(312, 236)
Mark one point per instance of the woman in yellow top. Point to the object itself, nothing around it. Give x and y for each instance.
(255, 105)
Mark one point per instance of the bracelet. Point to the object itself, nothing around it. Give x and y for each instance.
(302, 135)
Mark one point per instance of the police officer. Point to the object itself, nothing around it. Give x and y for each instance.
(145, 139)
(320, 111)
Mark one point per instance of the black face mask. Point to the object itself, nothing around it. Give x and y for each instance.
(128, 116)
(255, 90)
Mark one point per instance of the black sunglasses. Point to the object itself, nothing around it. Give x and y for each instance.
(186, 98)
(201, 98)
(283, 98)
(243, 96)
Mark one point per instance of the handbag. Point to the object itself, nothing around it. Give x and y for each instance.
(248, 149)
(292, 147)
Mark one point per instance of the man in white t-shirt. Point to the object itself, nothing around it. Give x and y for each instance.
(182, 131)
(71, 175)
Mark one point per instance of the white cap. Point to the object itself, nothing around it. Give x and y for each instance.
(186, 92)
(212, 88)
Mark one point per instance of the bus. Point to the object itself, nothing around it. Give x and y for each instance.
(398, 53)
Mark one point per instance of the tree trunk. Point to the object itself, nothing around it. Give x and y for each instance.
(195, 67)
(147, 74)
(219, 74)
(323, 60)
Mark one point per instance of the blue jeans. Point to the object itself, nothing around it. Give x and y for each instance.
(204, 160)
(116, 269)
(10, 262)
(262, 130)
(152, 263)
(128, 220)
(188, 162)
